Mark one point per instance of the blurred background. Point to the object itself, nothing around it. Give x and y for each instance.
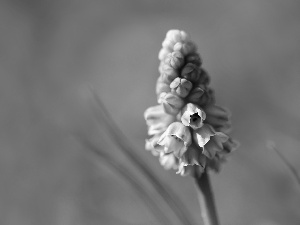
(52, 52)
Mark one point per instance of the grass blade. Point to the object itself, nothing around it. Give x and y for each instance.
(120, 139)
(291, 168)
(124, 173)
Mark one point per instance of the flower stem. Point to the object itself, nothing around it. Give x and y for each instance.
(206, 199)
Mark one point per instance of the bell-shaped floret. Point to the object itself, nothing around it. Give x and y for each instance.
(177, 138)
(168, 161)
(193, 116)
(157, 120)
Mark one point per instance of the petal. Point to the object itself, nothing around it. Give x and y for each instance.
(194, 156)
(203, 134)
(180, 131)
(215, 144)
(185, 118)
(151, 145)
(157, 120)
(193, 116)
(168, 161)
(175, 145)
(176, 131)
(211, 148)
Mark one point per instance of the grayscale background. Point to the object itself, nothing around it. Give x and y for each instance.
(53, 51)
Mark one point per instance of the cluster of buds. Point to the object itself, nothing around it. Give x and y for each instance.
(188, 130)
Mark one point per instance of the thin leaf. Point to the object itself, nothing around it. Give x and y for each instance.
(124, 173)
(291, 168)
(162, 189)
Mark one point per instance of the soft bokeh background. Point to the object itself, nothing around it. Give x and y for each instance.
(51, 53)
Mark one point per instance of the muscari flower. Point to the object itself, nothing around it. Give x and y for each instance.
(176, 139)
(168, 161)
(193, 116)
(157, 120)
(210, 140)
(189, 131)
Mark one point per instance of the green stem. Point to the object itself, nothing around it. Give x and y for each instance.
(206, 199)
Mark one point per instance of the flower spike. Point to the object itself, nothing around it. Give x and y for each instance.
(190, 132)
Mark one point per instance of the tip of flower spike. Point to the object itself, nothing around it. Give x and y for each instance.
(177, 35)
(185, 48)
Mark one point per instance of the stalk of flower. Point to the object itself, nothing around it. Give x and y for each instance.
(190, 132)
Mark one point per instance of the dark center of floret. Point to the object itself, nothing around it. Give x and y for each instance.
(194, 117)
